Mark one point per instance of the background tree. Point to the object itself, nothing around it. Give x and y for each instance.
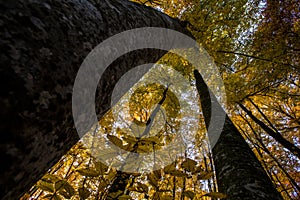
(186, 177)
(239, 173)
(254, 44)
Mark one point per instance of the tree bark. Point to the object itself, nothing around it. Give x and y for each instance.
(238, 171)
(43, 44)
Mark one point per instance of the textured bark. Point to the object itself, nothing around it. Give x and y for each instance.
(43, 43)
(238, 171)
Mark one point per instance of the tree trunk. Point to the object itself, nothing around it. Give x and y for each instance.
(43, 44)
(238, 171)
(272, 132)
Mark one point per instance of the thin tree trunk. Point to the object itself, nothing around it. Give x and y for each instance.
(274, 134)
(43, 44)
(262, 146)
(239, 173)
(122, 178)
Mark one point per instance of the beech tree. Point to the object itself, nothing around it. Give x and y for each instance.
(239, 173)
(43, 45)
(254, 44)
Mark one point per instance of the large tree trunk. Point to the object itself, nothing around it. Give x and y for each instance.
(43, 44)
(238, 171)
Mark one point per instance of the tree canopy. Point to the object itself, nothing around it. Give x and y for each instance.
(255, 45)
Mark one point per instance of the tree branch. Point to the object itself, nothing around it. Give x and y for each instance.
(257, 58)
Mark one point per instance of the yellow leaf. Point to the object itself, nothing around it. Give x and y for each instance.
(215, 195)
(189, 165)
(64, 188)
(153, 180)
(45, 186)
(178, 173)
(167, 197)
(142, 187)
(153, 139)
(130, 139)
(50, 178)
(144, 148)
(124, 197)
(205, 175)
(88, 172)
(170, 168)
(111, 174)
(189, 194)
(157, 173)
(115, 140)
(198, 170)
(101, 168)
(84, 193)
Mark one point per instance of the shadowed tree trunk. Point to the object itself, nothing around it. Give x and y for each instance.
(272, 132)
(43, 44)
(238, 171)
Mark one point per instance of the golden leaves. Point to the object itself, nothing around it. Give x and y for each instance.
(84, 193)
(215, 195)
(189, 194)
(189, 165)
(56, 187)
(115, 140)
(139, 187)
(45, 186)
(205, 175)
(88, 172)
(124, 197)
